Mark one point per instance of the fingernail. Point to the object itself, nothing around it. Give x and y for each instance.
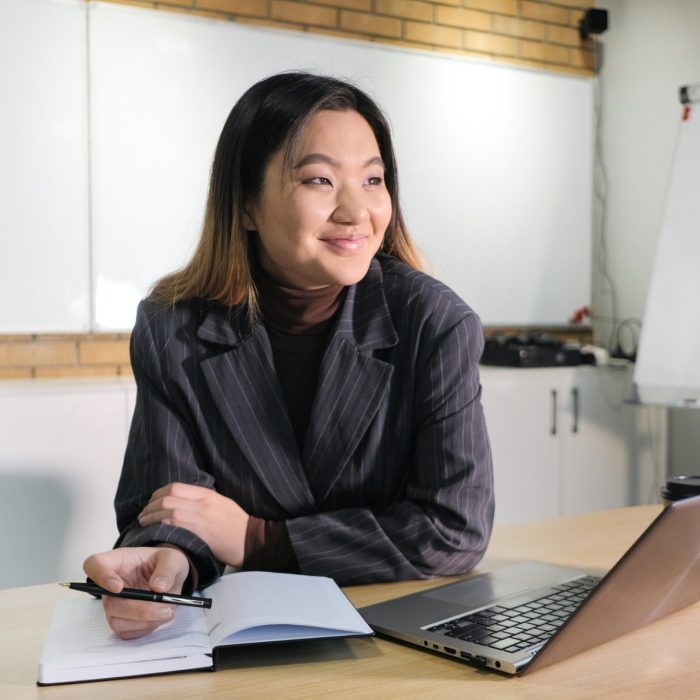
(112, 584)
(164, 613)
(160, 582)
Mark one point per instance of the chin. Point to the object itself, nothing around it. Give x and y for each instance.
(348, 275)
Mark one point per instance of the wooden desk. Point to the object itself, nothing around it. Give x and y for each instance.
(658, 661)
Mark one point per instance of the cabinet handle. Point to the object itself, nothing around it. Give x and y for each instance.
(553, 428)
(574, 396)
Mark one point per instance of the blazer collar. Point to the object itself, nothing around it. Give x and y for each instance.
(352, 384)
(364, 319)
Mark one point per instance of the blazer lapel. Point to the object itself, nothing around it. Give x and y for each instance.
(244, 386)
(352, 383)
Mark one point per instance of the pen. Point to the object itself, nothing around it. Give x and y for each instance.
(137, 594)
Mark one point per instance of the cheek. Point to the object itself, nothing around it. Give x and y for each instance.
(381, 212)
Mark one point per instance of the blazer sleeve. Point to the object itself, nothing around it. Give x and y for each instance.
(160, 450)
(442, 524)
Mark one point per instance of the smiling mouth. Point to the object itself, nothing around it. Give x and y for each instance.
(346, 244)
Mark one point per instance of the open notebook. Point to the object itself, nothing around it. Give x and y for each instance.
(249, 607)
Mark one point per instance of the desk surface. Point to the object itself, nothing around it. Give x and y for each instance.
(655, 662)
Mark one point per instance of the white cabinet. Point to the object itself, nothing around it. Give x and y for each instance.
(62, 450)
(565, 441)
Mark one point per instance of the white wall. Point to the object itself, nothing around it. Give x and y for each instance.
(651, 48)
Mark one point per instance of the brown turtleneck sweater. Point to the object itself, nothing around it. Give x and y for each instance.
(297, 322)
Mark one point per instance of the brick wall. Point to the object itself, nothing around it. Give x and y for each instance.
(532, 33)
(85, 355)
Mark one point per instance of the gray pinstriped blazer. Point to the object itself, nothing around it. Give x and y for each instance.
(395, 478)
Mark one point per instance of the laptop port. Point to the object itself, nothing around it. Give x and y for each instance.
(450, 650)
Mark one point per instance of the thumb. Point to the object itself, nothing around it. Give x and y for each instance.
(101, 569)
(171, 568)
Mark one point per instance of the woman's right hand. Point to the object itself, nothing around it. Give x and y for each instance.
(160, 569)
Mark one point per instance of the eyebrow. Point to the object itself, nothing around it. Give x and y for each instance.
(323, 158)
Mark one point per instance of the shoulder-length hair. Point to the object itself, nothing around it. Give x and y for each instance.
(268, 117)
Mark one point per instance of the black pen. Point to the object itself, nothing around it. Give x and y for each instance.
(137, 594)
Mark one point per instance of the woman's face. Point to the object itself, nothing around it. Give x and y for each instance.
(322, 223)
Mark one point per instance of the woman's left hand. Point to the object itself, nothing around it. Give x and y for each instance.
(217, 520)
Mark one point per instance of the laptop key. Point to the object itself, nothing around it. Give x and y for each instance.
(503, 643)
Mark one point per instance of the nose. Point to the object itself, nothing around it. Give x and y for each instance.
(350, 207)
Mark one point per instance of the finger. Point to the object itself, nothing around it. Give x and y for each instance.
(135, 635)
(177, 488)
(102, 569)
(170, 571)
(155, 516)
(136, 612)
(130, 629)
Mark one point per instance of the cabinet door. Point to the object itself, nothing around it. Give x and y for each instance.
(598, 468)
(521, 417)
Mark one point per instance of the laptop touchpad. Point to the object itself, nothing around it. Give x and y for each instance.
(475, 592)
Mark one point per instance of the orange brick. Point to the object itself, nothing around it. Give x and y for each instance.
(37, 353)
(361, 5)
(256, 8)
(432, 34)
(467, 19)
(258, 22)
(406, 9)
(575, 16)
(370, 24)
(401, 42)
(126, 371)
(575, 71)
(562, 35)
(512, 26)
(339, 33)
(578, 4)
(454, 3)
(135, 3)
(498, 7)
(17, 337)
(490, 43)
(103, 352)
(179, 3)
(583, 58)
(548, 53)
(521, 62)
(14, 373)
(209, 14)
(303, 13)
(544, 12)
(56, 372)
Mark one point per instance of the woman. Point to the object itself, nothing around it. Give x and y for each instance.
(308, 400)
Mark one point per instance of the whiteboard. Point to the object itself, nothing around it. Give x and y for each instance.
(668, 365)
(495, 162)
(44, 244)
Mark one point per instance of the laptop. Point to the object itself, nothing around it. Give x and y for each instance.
(523, 617)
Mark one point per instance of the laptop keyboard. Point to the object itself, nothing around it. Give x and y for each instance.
(521, 626)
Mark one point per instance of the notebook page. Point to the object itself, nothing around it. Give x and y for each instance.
(255, 598)
(79, 635)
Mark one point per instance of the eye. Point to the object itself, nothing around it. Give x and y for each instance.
(374, 181)
(317, 181)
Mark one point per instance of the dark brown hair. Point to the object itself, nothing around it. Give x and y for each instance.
(268, 117)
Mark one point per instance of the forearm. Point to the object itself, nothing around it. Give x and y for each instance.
(207, 566)
(406, 541)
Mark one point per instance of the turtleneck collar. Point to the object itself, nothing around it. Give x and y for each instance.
(296, 311)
